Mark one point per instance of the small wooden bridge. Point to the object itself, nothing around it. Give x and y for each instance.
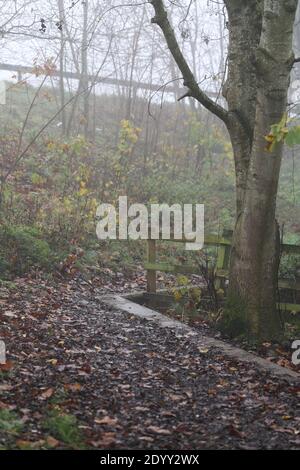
(222, 244)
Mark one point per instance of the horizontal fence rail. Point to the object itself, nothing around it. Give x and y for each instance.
(221, 271)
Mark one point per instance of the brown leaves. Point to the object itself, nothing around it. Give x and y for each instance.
(9, 314)
(233, 431)
(107, 439)
(129, 382)
(76, 387)
(7, 366)
(5, 387)
(53, 361)
(46, 394)
(161, 431)
(50, 443)
(106, 420)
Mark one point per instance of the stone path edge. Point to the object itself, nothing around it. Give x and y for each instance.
(121, 303)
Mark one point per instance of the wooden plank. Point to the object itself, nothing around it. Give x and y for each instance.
(222, 273)
(282, 283)
(289, 284)
(295, 249)
(151, 273)
(216, 240)
(289, 307)
(213, 240)
(224, 246)
(220, 266)
(172, 268)
(227, 234)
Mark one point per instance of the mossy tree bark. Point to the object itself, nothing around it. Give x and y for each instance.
(260, 60)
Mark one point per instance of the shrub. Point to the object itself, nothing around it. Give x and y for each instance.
(65, 428)
(22, 248)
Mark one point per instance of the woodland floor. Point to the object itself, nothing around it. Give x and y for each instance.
(80, 375)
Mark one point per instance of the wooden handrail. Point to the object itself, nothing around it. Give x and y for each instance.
(223, 243)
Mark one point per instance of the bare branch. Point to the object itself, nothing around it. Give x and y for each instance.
(161, 19)
(188, 94)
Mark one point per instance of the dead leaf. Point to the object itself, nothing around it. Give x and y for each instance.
(146, 438)
(106, 420)
(9, 314)
(7, 366)
(158, 430)
(52, 361)
(52, 442)
(23, 444)
(203, 350)
(73, 387)
(106, 440)
(5, 387)
(233, 431)
(46, 394)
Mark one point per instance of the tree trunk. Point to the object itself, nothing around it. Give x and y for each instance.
(256, 245)
(259, 64)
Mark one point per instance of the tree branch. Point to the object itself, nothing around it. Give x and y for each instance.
(161, 19)
(186, 95)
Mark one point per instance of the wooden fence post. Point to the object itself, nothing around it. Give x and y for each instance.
(151, 274)
(223, 260)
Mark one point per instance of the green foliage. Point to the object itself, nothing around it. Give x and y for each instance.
(10, 423)
(289, 267)
(186, 297)
(277, 134)
(22, 247)
(293, 136)
(186, 157)
(233, 321)
(281, 132)
(65, 428)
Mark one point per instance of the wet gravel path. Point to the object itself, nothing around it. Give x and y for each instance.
(129, 383)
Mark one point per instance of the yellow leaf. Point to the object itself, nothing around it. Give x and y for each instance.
(203, 350)
(52, 361)
(177, 295)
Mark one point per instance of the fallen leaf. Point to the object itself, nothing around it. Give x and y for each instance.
(158, 430)
(233, 431)
(23, 444)
(73, 387)
(106, 420)
(146, 438)
(7, 366)
(203, 350)
(52, 361)
(52, 442)
(106, 440)
(9, 314)
(5, 387)
(46, 394)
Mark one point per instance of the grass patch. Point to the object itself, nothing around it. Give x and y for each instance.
(10, 423)
(64, 427)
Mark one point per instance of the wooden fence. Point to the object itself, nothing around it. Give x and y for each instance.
(223, 246)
